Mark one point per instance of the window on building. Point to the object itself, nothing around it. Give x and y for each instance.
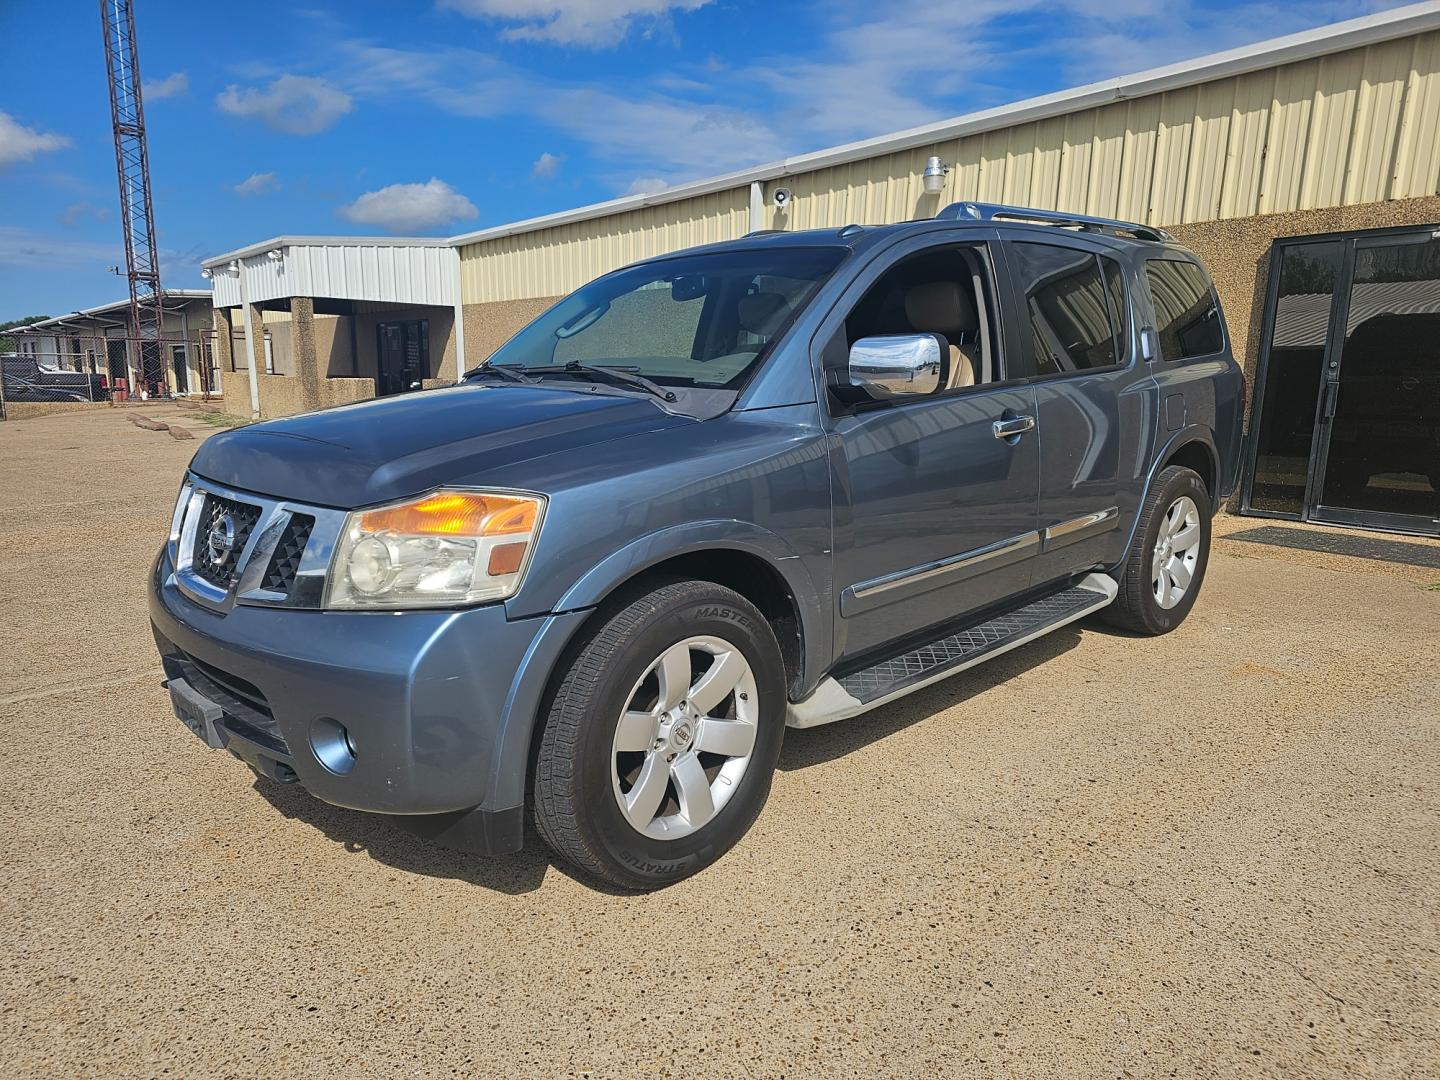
(1186, 312)
(1072, 321)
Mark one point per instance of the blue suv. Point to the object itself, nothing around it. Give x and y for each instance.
(772, 482)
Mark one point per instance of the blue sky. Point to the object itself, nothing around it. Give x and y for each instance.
(430, 118)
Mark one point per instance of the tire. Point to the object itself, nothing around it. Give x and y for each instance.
(594, 782)
(1138, 606)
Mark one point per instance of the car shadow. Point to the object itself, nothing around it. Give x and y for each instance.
(374, 835)
(815, 746)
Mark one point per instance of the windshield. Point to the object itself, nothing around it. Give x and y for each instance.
(697, 321)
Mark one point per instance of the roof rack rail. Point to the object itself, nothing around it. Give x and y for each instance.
(978, 211)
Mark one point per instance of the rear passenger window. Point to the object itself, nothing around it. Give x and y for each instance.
(1187, 316)
(1070, 309)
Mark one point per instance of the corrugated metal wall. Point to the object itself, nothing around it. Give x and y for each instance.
(395, 273)
(1353, 127)
(552, 262)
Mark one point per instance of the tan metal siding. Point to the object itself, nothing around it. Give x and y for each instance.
(555, 261)
(1349, 128)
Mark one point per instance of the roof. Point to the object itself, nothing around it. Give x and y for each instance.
(1338, 37)
(114, 305)
(282, 242)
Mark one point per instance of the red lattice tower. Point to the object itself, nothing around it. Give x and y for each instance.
(132, 166)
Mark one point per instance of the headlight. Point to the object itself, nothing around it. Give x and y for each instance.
(441, 550)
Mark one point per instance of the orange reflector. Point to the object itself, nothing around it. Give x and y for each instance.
(506, 559)
(455, 513)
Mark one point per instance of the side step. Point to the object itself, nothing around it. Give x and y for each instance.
(860, 691)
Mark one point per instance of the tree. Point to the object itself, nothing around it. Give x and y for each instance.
(7, 341)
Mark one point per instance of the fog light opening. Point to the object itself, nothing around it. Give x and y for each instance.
(332, 746)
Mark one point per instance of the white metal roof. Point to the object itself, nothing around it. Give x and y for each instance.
(1355, 33)
(388, 269)
(113, 306)
(282, 242)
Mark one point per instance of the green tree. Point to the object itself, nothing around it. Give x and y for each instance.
(7, 341)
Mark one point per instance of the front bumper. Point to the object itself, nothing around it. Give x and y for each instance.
(438, 706)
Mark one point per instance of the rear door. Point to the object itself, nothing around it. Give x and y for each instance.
(1089, 412)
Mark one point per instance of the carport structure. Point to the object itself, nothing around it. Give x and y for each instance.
(305, 322)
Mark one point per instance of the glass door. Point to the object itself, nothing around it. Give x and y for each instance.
(1347, 421)
(1381, 409)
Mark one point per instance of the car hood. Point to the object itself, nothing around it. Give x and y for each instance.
(395, 447)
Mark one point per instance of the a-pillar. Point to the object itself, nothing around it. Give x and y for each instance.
(302, 343)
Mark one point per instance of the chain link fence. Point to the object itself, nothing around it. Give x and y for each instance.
(107, 370)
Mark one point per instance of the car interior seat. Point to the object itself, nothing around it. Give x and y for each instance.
(947, 307)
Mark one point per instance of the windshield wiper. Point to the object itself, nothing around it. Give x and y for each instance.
(505, 371)
(626, 378)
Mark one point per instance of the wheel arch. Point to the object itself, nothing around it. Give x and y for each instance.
(752, 561)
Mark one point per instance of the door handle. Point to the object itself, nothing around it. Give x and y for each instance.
(1016, 425)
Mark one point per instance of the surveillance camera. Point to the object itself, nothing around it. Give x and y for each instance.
(781, 197)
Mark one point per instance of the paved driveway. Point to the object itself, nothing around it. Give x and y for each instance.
(1215, 853)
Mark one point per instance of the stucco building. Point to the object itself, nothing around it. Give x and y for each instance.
(1305, 171)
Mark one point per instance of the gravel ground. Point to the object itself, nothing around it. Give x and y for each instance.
(1210, 854)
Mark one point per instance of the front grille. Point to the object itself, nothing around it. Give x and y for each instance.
(220, 538)
(280, 574)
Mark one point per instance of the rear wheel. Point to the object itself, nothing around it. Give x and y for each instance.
(1163, 573)
(659, 747)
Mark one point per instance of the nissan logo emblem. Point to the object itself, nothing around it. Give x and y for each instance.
(221, 540)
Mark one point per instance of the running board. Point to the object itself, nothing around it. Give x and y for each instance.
(861, 691)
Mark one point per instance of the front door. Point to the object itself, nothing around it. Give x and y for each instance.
(404, 356)
(1347, 430)
(181, 369)
(940, 516)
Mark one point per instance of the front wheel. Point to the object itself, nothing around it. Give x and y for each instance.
(660, 744)
(1166, 565)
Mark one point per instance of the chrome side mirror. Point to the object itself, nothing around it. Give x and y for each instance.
(897, 365)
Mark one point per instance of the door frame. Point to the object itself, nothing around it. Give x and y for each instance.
(1330, 365)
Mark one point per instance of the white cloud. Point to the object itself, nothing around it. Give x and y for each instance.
(293, 104)
(31, 249)
(77, 212)
(411, 208)
(645, 185)
(168, 87)
(586, 23)
(259, 183)
(20, 143)
(547, 165)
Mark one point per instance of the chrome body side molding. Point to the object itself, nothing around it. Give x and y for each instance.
(868, 594)
(1080, 528)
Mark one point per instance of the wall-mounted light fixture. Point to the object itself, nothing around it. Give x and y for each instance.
(934, 175)
(207, 273)
(275, 254)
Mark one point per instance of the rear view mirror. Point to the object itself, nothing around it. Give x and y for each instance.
(898, 365)
(687, 287)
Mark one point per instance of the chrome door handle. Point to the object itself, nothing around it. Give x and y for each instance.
(1008, 429)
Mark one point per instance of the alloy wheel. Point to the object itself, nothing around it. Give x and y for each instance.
(684, 741)
(1177, 550)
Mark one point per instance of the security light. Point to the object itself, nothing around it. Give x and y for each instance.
(934, 175)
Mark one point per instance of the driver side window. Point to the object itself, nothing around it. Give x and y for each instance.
(942, 291)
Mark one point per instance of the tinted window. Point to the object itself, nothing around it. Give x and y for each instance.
(1185, 309)
(1070, 318)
